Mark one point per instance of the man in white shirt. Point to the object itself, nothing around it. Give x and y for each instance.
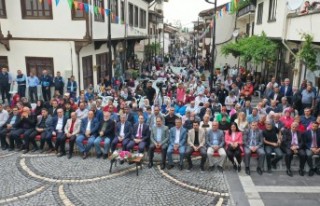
(82, 112)
(58, 129)
(192, 107)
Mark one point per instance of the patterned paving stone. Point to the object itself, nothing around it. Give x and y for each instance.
(146, 189)
(210, 180)
(75, 168)
(47, 197)
(13, 183)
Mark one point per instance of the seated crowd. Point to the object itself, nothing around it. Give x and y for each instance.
(215, 126)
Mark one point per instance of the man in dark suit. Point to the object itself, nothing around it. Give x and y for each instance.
(43, 128)
(253, 143)
(98, 114)
(177, 141)
(129, 115)
(9, 127)
(276, 95)
(296, 100)
(292, 144)
(170, 118)
(46, 83)
(247, 109)
(88, 130)
(123, 133)
(312, 143)
(26, 128)
(58, 124)
(54, 108)
(140, 135)
(159, 139)
(106, 134)
(286, 90)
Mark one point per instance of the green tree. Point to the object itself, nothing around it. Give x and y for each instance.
(307, 53)
(254, 48)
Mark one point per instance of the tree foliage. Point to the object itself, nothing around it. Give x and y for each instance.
(307, 53)
(254, 48)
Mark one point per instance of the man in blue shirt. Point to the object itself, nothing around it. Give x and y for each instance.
(33, 82)
(21, 81)
(46, 82)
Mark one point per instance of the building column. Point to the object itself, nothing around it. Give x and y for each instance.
(297, 72)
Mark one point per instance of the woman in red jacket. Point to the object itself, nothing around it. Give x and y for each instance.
(233, 139)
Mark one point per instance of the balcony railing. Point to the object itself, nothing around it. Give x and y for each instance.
(248, 9)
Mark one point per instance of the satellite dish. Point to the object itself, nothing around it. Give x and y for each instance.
(294, 4)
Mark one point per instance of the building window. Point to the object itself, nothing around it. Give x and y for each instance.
(114, 10)
(38, 64)
(4, 62)
(143, 19)
(3, 12)
(130, 15)
(260, 13)
(272, 10)
(87, 71)
(35, 9)
(122, 11)
(97, 15)
(136, 16)
(102, 63)
(78, 10)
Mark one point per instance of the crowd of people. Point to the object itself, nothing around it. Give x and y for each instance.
(179, 115)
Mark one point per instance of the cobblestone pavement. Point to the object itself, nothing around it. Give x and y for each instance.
(44, 179)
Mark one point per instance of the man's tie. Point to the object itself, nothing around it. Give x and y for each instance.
(140, 131)
(314, 140)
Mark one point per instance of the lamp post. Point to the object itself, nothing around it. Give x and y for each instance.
(109, 42)
(213, 42)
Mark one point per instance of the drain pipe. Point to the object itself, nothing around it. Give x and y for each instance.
(284, 36)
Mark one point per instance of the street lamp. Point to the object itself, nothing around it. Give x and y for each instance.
(109, 43)
(213, 42)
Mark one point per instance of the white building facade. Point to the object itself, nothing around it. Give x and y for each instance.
(37, 35)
